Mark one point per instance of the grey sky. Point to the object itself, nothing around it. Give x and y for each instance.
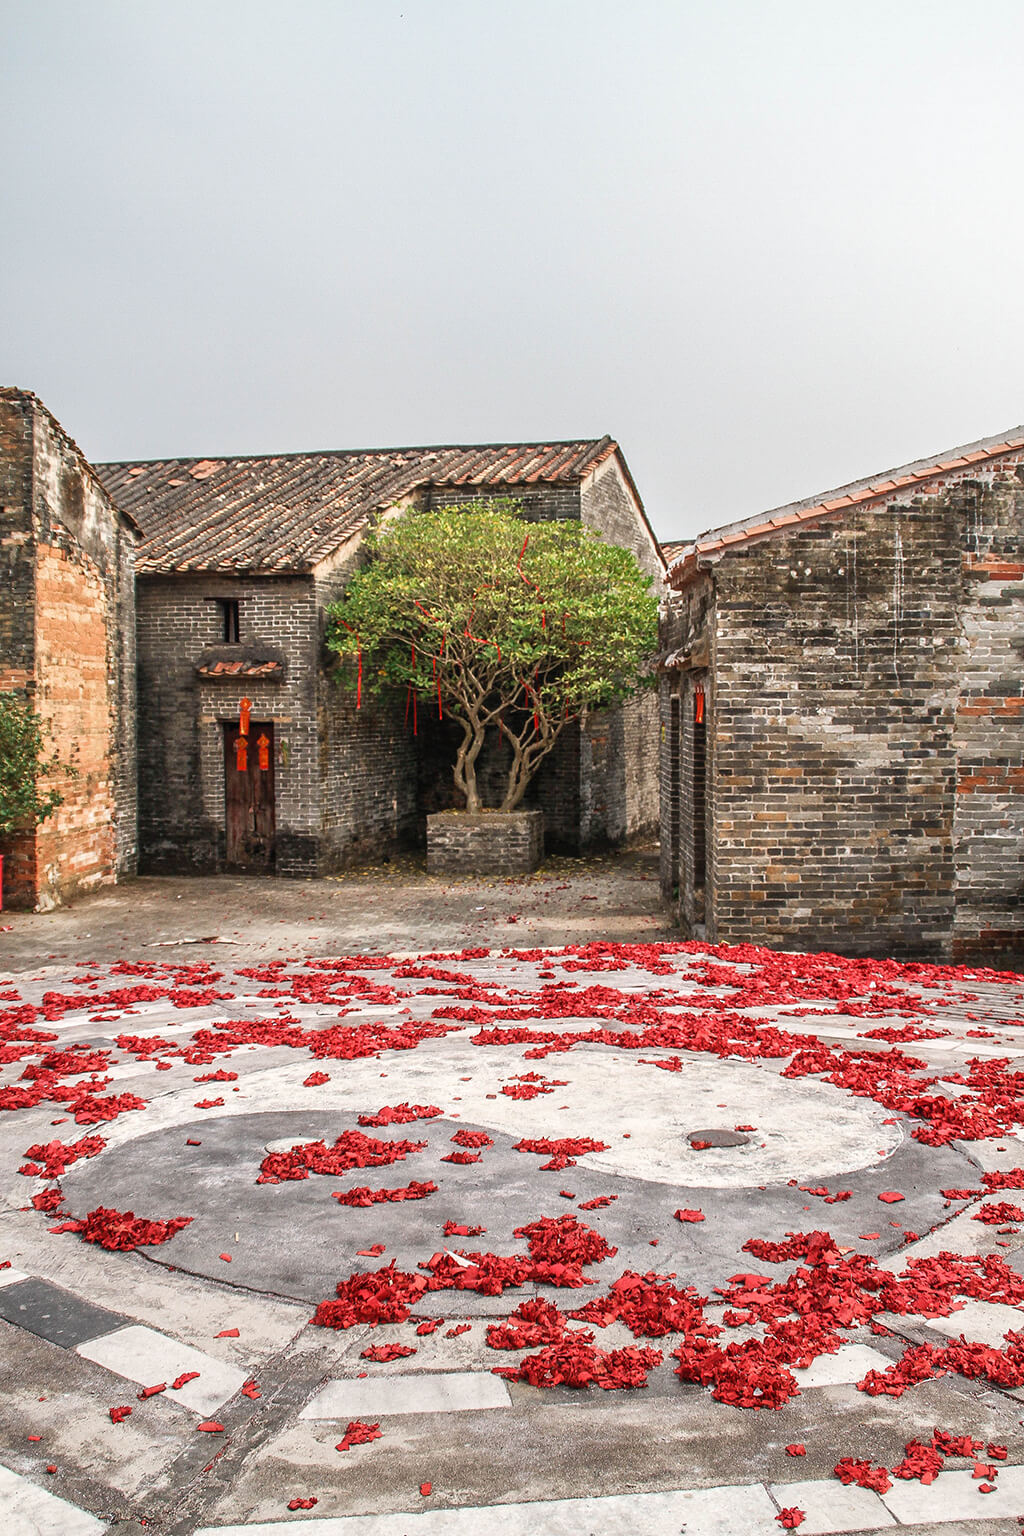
(769, 246)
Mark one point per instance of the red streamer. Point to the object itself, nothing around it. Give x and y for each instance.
(359, 655)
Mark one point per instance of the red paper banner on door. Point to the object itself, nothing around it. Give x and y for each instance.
(263, 747)
(244, 710)
(241, 754)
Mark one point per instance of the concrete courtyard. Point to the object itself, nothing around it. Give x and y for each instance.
(532, 1100)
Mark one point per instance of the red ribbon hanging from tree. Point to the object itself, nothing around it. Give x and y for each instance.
(359, 663)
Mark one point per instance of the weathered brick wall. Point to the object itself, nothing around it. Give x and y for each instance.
(368, 758)
(17, 609)
(608, 504)
(539, 503)
(686, 630)
(70, 558)
(989, 820)
(836, 674)
(182, 716)
(866, 728)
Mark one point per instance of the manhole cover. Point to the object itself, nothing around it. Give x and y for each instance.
(717, 1138)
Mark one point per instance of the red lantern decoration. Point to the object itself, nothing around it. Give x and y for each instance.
(698, 707)
(263, 747)
(244, 711)
(241, 754)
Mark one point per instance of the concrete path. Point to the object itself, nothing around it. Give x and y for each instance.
(212, 1063)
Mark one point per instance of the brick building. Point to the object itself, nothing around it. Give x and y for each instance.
(239, 560)
(842, 717)
(67, 628)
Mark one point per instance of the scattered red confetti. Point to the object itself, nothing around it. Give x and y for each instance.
(384, 1352)
(122, 1230)
(225, 1256)
(183, 1379)
(430, 1326)
(363, 1195)
(426, 1489)
(796, 1450)
(315, 1080)
(791, 1517)
(454, 1229)
(358, 1433)
(227, 1333)
(211, 1426)
(472, 1139)
(453, 1333)
(863, 1474)
(250, 1389)
(371, 1253)
(685, 1215)
(400, 1114)
(302, 1503)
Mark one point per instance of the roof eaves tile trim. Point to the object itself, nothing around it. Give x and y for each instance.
(687, 563)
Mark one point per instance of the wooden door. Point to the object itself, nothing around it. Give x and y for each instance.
(249, 797)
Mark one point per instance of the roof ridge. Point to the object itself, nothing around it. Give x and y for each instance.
(985, 447)
(358, 453)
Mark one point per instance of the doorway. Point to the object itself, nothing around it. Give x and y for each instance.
(249, 797)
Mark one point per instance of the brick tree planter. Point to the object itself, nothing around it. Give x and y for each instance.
(485, 843)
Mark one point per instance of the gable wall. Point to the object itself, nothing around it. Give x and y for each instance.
(67, 640)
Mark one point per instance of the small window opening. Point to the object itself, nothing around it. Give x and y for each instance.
(229, 614)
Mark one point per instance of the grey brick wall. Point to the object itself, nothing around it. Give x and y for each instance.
(181, 717)
(368, 759)
(989, 816)
(866, 729)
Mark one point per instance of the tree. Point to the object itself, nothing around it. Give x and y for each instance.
(22, 765)
(498, 623)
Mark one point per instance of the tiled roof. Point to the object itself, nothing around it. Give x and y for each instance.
(288, 512)
(879, 489)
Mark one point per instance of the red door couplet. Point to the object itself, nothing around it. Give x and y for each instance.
(249, 796)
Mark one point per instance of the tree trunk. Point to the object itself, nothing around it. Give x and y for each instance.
(465, 761)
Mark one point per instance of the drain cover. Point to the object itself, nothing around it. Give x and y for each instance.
(718, 1138)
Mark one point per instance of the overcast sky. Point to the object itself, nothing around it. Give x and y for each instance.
(768, 245)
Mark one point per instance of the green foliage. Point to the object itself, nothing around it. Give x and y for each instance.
(23, 804)
(523, 625)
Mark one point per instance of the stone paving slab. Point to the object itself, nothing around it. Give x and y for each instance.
(256, 1257)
